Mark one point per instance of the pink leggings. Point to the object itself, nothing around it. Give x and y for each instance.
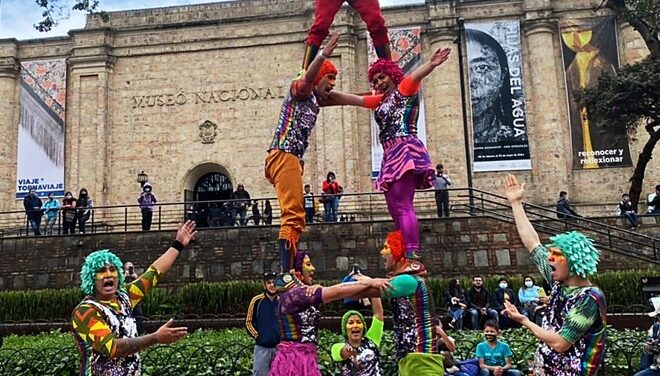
(399, 198)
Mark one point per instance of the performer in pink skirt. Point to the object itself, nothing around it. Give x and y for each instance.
(406, 164)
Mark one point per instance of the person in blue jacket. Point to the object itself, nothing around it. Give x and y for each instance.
(261, 322)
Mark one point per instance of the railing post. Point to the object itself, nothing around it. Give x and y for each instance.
(655, 251)
(609, 237)
(125, 218)
(159, 216)
(92, 221)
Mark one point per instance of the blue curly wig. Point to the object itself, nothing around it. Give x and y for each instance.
(94, 262)
(579, 251)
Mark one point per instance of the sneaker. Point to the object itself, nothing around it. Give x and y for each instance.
(412, 266)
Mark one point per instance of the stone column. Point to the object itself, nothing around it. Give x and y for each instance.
(443, 107)
(88, 116)
(547, 126)
(9, 112)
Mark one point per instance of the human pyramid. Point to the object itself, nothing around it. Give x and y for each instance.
(571, 339)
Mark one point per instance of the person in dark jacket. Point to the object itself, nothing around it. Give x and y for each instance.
(268, 213)
(241, 201)
(626, 210)
(261, 322)
(503, 293)
(478, 302)
(456, 303)
(654, 204)
(564, 209)
(32, 204)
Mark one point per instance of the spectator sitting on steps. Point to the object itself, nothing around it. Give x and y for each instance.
(654, 201)
(626, 210)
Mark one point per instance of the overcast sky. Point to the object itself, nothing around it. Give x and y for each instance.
(17, 17)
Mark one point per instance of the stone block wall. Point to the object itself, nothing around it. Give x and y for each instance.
(453, 247)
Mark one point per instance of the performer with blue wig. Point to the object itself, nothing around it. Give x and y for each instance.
(572, 337)
(103, 324)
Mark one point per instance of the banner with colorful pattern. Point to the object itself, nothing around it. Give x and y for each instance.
(588, 49)
(40, 159)
(406, 44)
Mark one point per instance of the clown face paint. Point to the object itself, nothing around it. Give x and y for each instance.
(107, 282)
(308, 271)
(558, 264)
(355, 330)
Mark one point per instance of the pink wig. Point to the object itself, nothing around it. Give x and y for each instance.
(389, 68)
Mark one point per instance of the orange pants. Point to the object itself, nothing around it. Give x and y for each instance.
(284, 171)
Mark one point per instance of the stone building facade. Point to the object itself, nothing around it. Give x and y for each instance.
(184, 91)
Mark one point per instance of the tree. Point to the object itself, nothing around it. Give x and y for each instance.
(631, 97)
(55, 10)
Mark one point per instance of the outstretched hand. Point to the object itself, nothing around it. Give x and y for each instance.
(439, 56)
(512, 312)
(333, 40)
(514, 190)
(167, 334)
(186, 232)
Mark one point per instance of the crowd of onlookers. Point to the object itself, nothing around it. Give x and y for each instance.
(240, 209)
(71, 211)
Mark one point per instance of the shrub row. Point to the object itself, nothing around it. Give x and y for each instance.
(621, 288)
(229, 352)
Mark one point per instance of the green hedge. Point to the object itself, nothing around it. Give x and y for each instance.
(229, 352)
(621, 288)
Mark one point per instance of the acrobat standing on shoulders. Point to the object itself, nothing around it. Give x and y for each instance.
(326, 10)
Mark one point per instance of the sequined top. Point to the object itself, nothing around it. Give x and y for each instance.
(297, 119)
(299, 315)
(97, 325)
(397, 114)
(577, 314)
(412, 311)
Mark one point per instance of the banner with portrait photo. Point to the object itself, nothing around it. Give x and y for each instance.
(589, 48)
(406, 44)
(497, 96)
(40, 159)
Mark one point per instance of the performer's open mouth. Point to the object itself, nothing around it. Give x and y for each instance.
(108, 285)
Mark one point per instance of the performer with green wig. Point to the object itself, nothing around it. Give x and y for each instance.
(572, 337)
(360, 352)
(103, 324)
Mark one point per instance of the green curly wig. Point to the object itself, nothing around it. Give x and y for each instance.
(579, 251)
(94, 262)
(344, 321)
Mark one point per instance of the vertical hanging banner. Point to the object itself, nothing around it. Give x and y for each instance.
(497, 95)
(40, 160)
(406, 44)
(589, 48)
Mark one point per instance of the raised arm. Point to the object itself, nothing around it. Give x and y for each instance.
(316, 64)
(439, 56)
(183, 236)
(514, 193)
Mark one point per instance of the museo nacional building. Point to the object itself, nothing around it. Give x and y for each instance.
(191, 96)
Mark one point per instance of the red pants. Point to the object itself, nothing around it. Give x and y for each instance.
(369, 11)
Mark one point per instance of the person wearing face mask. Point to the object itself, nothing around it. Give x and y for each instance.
(494, 356)
(147, 201)
(529, 298)
(84, 205)
(406, 164)
(103, 324)
(359, 353)
(572, 337)
(502, 294)
(69, 213)
(299, 315)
